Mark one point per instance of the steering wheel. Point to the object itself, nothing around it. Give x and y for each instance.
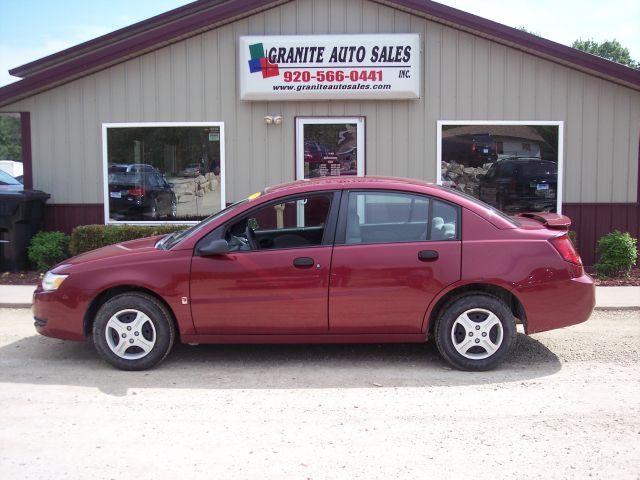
(252, 240)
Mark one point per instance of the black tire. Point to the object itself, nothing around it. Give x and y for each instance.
(463, 347)
(173, 209)
(153, 209)
(136, 318)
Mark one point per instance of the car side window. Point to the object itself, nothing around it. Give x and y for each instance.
(296, 222)
(386, 217)
(444, 221)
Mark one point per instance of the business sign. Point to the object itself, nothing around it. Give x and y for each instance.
(326, 67)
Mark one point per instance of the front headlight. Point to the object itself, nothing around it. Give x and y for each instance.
(52, 281)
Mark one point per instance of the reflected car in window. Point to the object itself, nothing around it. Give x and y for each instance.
(333, 260)
(520, 184)
(193, 170)
(141, 194)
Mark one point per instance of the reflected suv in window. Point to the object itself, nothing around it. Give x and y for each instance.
(143, 194)
(518, 184)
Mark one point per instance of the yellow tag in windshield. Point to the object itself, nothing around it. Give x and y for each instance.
(254, 196)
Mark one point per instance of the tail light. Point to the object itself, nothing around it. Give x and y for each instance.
(136, 192)
(568, 253)
(473, 147)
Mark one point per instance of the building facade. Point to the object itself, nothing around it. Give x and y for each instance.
(168, 95)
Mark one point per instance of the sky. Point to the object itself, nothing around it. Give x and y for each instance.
(32, 29)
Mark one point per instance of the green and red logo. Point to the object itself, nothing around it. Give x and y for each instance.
(260, 63)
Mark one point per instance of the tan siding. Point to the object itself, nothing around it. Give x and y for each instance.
(481, 56)
(620, 151)
(604, 160)
(589, 164)
(464, 77)
(633, 139)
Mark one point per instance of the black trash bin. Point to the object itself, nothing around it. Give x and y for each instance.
(21, 213)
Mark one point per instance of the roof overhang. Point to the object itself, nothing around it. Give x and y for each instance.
(203, 15)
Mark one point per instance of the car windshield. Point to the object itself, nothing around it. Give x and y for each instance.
(6, 179)
(172, 239)
(481, 203)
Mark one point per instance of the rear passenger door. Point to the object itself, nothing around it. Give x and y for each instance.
(394, 252)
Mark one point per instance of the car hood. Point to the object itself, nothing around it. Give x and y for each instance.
(116, 252)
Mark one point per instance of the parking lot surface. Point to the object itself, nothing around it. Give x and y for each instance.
(565, 405)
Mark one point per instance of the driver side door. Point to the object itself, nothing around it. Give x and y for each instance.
(275, 283)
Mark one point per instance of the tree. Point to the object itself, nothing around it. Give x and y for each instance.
(522, 28)
(610, 49)
(10, 138)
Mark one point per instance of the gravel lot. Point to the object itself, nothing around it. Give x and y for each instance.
(566, 405)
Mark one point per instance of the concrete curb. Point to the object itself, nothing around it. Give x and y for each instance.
(607, 298)
(624, 307)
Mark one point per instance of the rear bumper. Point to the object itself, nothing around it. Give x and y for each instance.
(57, 315)
(558, 304)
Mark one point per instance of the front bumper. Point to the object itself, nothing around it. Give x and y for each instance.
(59, 315)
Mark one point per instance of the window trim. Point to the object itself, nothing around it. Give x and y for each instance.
(341, 229)
(105, 169)
(561, 146)
(328, 237)
(300, 122)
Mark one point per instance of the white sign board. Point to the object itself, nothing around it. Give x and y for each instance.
(325, 67)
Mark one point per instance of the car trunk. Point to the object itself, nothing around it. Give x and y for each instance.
(122, 185)
(536, 179)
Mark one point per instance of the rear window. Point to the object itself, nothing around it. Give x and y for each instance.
(6, 179)
(538, 168)
(511, 220)
(125, 178)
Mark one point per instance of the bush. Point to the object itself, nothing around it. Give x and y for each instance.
(618, 253)
(48, 249)
(573, 236)
(90, 237)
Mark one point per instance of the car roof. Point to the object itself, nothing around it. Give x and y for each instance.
(347, 182)
(523, 159)
(388, 183)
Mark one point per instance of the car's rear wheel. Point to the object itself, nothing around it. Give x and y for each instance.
(153, 209)
(475, 332)
(133, 331)
(173, 213)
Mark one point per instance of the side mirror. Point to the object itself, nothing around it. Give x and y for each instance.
(171, 184)
(213, 248)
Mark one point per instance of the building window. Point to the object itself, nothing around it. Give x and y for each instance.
(163, 172)
(514, 166)
(329, 146)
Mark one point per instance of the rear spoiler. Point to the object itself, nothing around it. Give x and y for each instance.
(549, 220)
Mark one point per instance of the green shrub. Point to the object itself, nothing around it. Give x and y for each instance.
(90, 237)
(48, 249)
(573, 236)
(617, 253)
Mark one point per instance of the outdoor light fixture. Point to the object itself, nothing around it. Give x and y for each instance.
(273, 119)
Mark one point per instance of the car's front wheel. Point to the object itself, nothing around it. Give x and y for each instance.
(133, 331)
(475, 332)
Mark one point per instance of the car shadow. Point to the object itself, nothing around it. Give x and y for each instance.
(47, 361)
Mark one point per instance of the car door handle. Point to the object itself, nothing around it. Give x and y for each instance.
(427, 255)
(303, 262)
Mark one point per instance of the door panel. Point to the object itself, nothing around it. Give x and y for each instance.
(386, 288)
(261, 292)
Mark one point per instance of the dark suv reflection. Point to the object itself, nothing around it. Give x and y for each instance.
(144, 193)
(518, 184)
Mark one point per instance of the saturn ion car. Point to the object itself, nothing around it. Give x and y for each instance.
(331, 260)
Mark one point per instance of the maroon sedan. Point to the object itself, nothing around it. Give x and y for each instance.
(346, 259)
